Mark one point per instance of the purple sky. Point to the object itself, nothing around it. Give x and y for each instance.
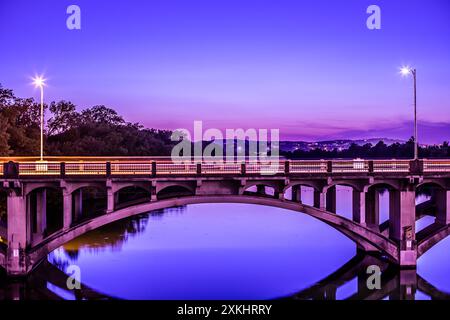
(310, 68)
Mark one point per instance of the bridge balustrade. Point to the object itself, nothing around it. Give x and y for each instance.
(118, 168)
(221, 168)
(301, 166)
(344, 166)
(39, 168)
(436, 166)
(391, 166)
(85, 168)
(167, 167)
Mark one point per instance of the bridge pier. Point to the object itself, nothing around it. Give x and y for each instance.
(36, 210)
(402, 219)
(67, 209)
(331, 199)
(442, 201)
(16, 264)
(77, 197)
(110, 200)
(297, 193)
(359, 207)
(372, 205)
(320, 200)
(261, 189)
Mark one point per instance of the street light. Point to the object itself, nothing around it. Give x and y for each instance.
(40, 82)
(406, 71)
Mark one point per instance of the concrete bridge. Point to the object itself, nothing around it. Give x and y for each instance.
(50, 203)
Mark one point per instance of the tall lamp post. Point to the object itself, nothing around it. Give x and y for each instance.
(406, 71)
(40, 82)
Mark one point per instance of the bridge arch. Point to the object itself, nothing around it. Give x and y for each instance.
(381, 185)
(84, 185)
(117, 187)
(437, 183)
(174, 190)
(362, 236)
(131, 195)
(314, 186)
(31, 187)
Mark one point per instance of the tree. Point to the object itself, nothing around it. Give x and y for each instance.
(64, 117)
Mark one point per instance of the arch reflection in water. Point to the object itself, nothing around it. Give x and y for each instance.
(217, 252)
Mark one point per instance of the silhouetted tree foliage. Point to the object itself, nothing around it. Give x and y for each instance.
(98, 130)
(378, 151)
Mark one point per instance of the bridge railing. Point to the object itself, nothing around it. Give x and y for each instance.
(344, 166)
(306, 166)
(39, 168)
(85, 168)
(167, 167)
(221, 168)
(436, 166)
(118, 168)
(381, 166)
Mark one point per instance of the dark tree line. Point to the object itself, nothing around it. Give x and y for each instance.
(94, 131)
(378, 151)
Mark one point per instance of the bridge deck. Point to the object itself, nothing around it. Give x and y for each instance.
(26, 167)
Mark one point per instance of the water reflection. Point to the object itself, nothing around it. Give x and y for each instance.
(346, 283)
(229, 251)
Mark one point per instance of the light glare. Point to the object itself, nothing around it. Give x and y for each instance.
(39, 81)
(405, 71)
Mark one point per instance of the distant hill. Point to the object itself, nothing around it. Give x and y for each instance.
(332, 144)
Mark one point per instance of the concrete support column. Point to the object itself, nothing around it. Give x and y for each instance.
(260, 189)
(67, 209)
(442, 200)
(320, 200)
(331, 199)
(153, 196)
(77, 205)
(402, 218)
(41, 213)
(359, 207)
(297, 194)
(16, 264)
(110, 200)
(279, 195)
(372, 204)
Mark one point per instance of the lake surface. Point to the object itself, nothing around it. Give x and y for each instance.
(216, 251)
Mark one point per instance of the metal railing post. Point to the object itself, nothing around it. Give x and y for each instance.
(11, 170)
(108, 169)
(199, 168)
(329, 166)
(286, 166)
(370, 166)
(243, 168)
(153, 168)
(416, 166)
(62, 169)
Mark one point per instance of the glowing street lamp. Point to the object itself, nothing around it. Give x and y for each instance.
(40, 82)
(406, 71)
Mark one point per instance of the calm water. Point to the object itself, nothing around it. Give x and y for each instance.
(215, 251)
